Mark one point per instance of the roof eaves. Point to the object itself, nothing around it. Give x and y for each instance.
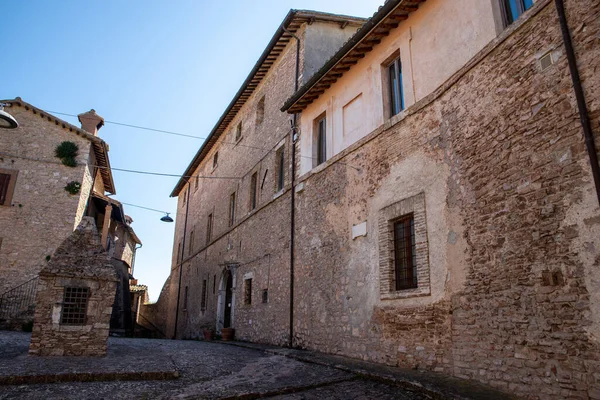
(99, 146)
(219, 128)
(372, 23)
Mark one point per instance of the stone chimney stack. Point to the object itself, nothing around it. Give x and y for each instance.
(91, 122)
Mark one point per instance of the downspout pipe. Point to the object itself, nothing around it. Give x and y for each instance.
(187, 206)
(293, 192)
(578, 88)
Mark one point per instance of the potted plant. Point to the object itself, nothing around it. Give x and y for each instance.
(208, 332)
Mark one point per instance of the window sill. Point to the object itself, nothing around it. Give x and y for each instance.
(278, 194)
(407, 293)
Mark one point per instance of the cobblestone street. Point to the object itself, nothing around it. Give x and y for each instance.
(190, 370)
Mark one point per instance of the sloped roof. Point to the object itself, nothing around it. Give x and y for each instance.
(99, 146)
(388, 17)
(290, 25)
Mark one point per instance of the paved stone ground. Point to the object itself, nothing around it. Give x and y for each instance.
(207, 371)
(211, 370)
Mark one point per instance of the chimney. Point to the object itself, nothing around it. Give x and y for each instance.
(91, 122)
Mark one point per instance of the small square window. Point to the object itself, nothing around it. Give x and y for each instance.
(248, 291)
(74, 308)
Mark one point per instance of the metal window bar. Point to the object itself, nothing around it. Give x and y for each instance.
(405, 257)
(74, 307)
(19, 301)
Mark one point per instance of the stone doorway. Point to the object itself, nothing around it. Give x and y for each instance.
(226, 300)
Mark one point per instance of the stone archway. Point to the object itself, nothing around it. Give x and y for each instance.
(226, 299)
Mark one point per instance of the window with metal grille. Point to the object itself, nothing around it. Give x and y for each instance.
(74, 308)
(513, 9)
(203, 300)
(405, 255)
(395, 89)
(253, 190)
(280, 159)
(232, 209)
(248, 291)
(4, 182)
(321, 155)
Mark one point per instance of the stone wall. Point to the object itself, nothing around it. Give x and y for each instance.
(513, 224)
(42, 213)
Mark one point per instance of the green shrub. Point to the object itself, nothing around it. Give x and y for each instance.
(73, 187)
(67, 151)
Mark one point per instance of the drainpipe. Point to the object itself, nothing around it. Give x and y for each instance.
(293, 195)
(133, 258)
(581, 103)
(187, 205)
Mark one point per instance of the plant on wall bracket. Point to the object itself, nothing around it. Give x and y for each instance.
(67, 151)
(73, 187)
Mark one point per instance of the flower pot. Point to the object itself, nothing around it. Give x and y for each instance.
(227, 334)
(208, 334)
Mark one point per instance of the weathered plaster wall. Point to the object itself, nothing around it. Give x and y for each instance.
(512, 224)
(437, 40)
(42, 213)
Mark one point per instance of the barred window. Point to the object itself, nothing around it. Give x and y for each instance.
(405, 255)
(74, 308)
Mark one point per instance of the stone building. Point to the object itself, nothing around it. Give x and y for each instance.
(43, 198)
(219, 219)
(445, 214)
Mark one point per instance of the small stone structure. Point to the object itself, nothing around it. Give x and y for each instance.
(75, 296)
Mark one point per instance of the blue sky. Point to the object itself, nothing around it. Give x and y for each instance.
(173, 67)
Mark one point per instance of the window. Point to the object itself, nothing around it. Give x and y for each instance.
(280, 160)
(403, 247)
(209, 228)
(232, 209)
(512, 9)
(203, 299)
(178, 253)
(253, 190)
(396, 95)
(238, 132)
(7, 186)
(183, 197)
(197, 182)
(185, 298)
(260, 111)
(214, 283)
(320, 141)
(74, 308)
(248, 291)
(265, 296)
(405, 255)
(191, 246)
(215, 159)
